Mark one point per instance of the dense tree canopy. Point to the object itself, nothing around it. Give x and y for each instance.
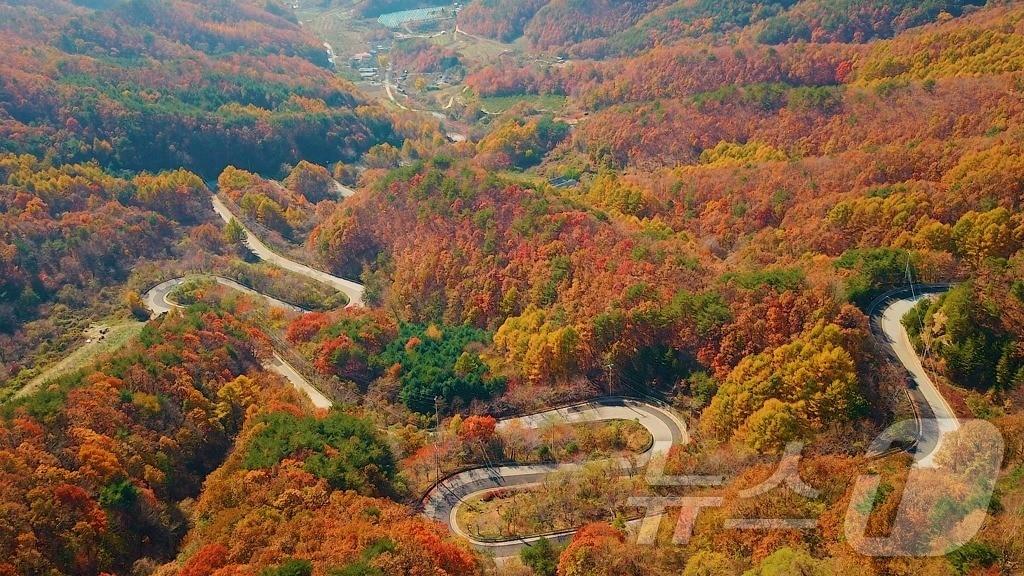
(339, 448)
(74, 227)
(97, 462)
(148, 85)
(772, 398)
(703, 215)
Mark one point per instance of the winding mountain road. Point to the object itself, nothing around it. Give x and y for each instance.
(935, 417)
(353, 290)
(279, 365)
(442, 502)
(156, 299)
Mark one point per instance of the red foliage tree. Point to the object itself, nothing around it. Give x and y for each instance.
(477, 429)
(206, 561)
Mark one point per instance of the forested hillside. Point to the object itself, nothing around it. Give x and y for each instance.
(151, 85)
(112, 114)
(97, 465)
(100, 468)
(117, 118)
(74, 227)
(746, 188)
(693, 203)
(608, 28)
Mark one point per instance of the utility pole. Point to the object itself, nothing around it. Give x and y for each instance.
(437, 437)
(608, 375)
(910, 278)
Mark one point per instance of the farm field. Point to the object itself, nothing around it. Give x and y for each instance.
(542, 103)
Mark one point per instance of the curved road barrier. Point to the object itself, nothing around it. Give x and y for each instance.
(156, 298)
(934, 418)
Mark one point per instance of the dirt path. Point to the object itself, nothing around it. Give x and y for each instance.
(101, 338)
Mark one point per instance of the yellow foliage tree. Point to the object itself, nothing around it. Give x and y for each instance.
(735, 154)
(777, 396)
(544, 347)
(993, 234)
(610, 192)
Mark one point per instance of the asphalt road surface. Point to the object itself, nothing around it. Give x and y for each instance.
(157, 301)
(936, 415)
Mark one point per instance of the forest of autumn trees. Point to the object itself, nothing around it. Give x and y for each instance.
(740, 205)
(112, 117)
(150, 85)
(500, 19)
(97, 463)
(73, 234)
(302, 486)
(602, 29)
(73, 228)
(745, 178)
(421, 56)
(97, 466)
(651, 307)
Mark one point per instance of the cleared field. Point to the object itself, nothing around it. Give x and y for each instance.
(543, 103)
(118, 333)
(397, 19)
(338, 27)
(475, 48)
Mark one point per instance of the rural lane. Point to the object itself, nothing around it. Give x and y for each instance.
(156, 299)
(935, 418)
